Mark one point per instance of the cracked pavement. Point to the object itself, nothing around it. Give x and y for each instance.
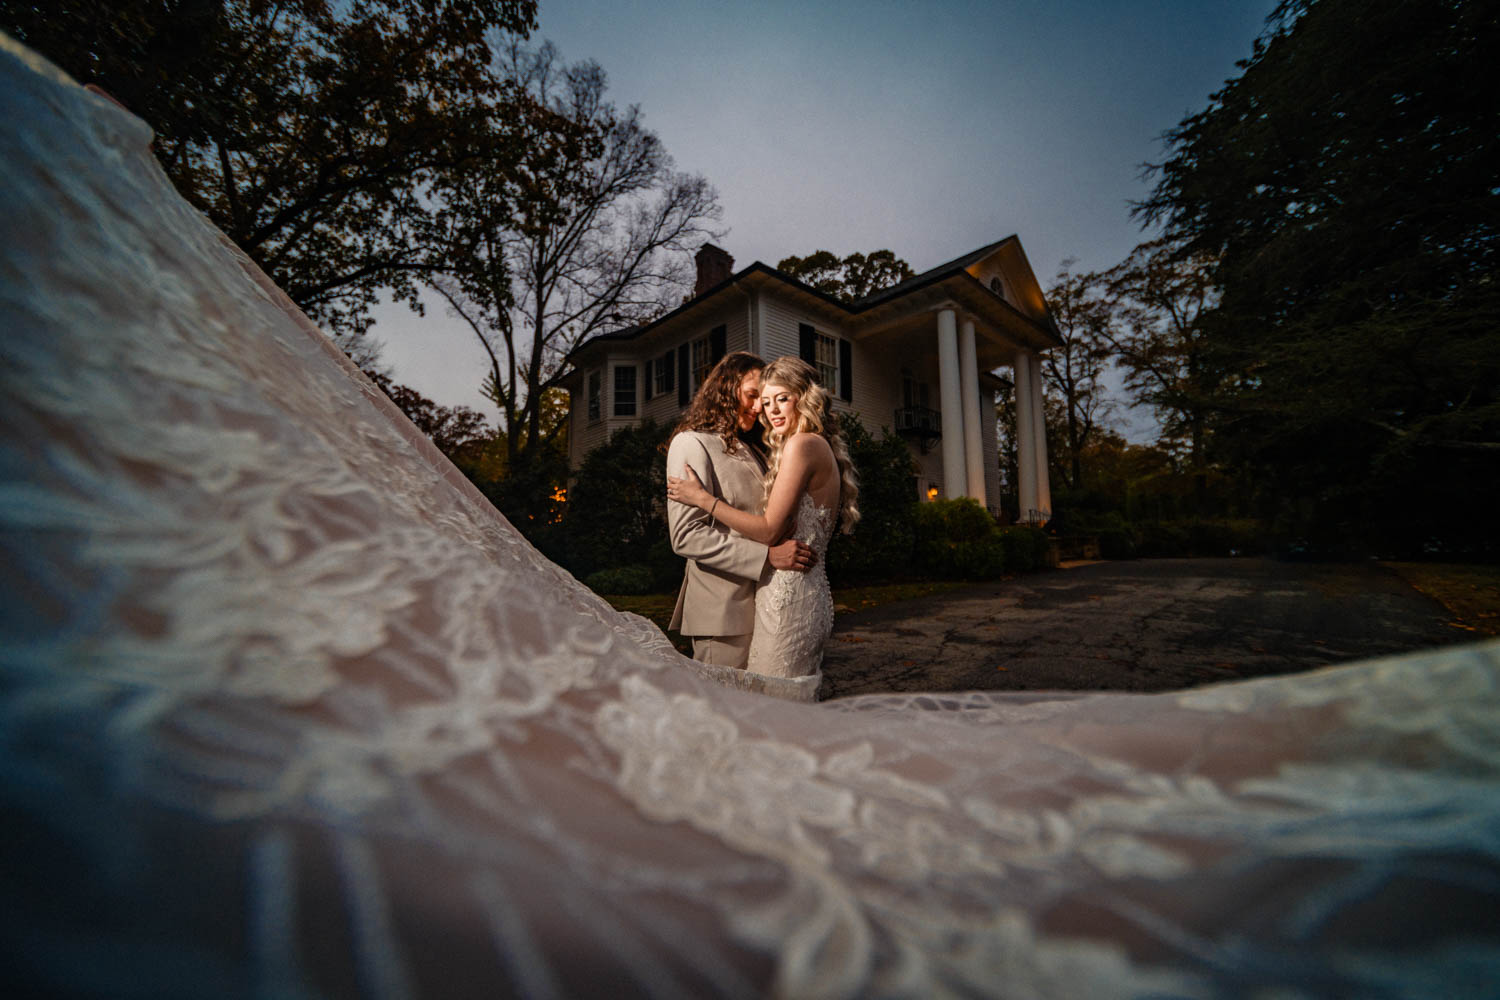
(1143, 625)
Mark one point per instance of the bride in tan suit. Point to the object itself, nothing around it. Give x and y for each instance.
(719, 439)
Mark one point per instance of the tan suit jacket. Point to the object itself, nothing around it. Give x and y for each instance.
(723, 567)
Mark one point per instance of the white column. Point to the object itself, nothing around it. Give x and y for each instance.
(968, 382)
(1025, 436)
(1039, 425)
(955, 478)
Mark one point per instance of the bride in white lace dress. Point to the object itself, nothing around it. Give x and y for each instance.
(810, 486)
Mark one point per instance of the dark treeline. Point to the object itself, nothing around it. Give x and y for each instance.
(1317, 326)
(412, 151)
(1313, 322)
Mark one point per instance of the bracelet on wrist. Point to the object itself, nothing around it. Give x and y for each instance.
(713, 507)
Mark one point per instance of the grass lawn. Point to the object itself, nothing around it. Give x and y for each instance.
(1471, 593)
(658, 607)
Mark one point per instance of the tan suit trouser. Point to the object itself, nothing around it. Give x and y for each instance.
(722, 650)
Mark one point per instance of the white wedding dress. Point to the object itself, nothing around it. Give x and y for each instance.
(794, 610)
(287, 710)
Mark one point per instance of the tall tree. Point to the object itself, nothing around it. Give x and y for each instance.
(848, 278)
(1347, 184)
(1162, 296)
(1075, 369)
(309, 131)
(1054, 428)
(593, 236)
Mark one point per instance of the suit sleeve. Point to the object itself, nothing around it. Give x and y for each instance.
(697, 537)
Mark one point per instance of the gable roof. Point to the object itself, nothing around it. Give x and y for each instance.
(931, 276)
(885, 296)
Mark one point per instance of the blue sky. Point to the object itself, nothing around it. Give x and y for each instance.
(928, 129)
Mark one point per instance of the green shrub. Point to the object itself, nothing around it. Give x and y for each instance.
(958, 539)
(1242, 536)
(1118, 539)
(1025, 548)
(1164, 540)
(617, 502)
(665, 566)
(1117, 544)
(881, 544)
(1202, 537)
(980, 559)
(634, 579)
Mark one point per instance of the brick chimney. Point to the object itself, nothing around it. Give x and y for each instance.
(714, 265)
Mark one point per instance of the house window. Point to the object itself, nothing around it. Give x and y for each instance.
(702, 361)
(593, 394)
(831, 358)
(662, 374)
(997, 286)
(624, 391)
(913, 392)
(826, 360)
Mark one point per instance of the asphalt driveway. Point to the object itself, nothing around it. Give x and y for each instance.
(1145, 625)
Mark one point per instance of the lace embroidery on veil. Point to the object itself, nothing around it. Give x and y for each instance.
(286, 708)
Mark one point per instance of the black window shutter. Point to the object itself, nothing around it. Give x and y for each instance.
(682, 375)
(807, 344)
(646, 394)
(667, 382)
(718, 344)
(846, 371)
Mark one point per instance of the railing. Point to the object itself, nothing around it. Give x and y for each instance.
(919, 420)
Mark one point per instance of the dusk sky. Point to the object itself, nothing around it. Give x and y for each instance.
(929, 129)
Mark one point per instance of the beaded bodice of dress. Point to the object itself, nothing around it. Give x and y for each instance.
(794, 610)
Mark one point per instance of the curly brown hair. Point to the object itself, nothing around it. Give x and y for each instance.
(715, 408)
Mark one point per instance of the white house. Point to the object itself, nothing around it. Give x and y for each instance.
(915, 359)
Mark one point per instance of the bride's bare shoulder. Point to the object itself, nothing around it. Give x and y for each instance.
(807, 446)
(811, 451)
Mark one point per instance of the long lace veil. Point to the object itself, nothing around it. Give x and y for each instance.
(287, 710)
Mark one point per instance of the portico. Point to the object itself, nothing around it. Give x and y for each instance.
(963, 454)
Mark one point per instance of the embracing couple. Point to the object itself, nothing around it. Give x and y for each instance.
(758, 477)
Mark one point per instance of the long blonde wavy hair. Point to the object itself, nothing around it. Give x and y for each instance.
(814, 413)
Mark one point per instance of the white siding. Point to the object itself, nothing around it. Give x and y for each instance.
(877, 384)
(877, 387)
(663, 409)
(586, 435)
(611, 422)
(737, 320)
(779, 328)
